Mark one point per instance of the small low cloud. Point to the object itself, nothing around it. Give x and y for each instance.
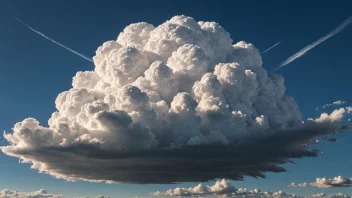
(332, 182)
(301, 185)
(221, 188)
(140, 197)
(337, 195)
(318, 195)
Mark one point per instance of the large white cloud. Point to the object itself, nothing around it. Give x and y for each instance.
(172, 103)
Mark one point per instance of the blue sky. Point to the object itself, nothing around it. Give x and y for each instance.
(34, 71)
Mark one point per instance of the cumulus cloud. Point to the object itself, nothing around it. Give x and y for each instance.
(318, 195)
(42, 193)
(332, 182)
(140, 197)
(225, 189)
(99, 196)
(302, 185)
(338, 195)
(338, 102)
(37, 194)
(171, 103)
(221, 188)
(349, 109)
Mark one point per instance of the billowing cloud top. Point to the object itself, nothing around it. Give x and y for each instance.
(173, 103)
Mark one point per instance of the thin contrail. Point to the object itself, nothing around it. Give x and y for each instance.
(61, 45)
(272, 47)
(311, 46)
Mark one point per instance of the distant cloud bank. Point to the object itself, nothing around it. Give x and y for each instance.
(37, 194)
(42, 193)
(225, 189)
(338, 181)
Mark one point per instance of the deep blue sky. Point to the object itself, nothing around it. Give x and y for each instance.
(33, 70)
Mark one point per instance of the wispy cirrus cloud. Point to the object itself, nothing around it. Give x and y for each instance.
(335, 103)
(311, 46)
(272, 47)
(52, 40)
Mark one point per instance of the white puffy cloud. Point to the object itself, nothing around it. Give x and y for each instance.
(225, 189)
(318, 195)
(221, 188)
(335, 116)
(338, 181)
(349, 109)
(164, 104)
(99, 196)
(139, 197)
(37, 194)
(301, 185)
(337, 195)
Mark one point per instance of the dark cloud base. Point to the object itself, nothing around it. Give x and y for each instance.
(252, 157)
